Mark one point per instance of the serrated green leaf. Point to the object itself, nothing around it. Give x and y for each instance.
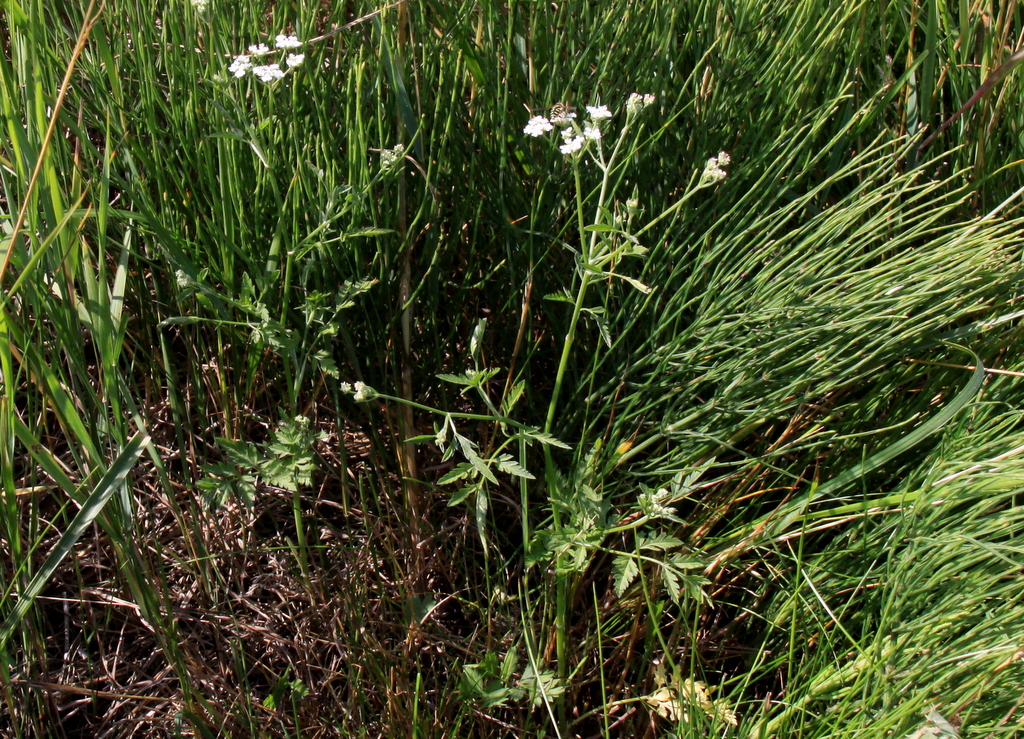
(461, 494)
(241, 454)
(514, 394)
(543, 438)
(508, 665)
(509, 465)
(658, 542)
(683, 562)
(461, 470)
(672, 585)
(455, 379)
(624, 572)
(541, 686)
(469, 449)
(326, 363)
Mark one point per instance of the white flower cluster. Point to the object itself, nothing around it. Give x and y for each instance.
(713, 172)
(390, 157)
(240, 66)
(200, 5)
(268, 72)
(538, 126)
(287, 42)
(265, 72)
(574, 137)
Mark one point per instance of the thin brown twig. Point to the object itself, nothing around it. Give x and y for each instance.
(83, 36)
(971, 367)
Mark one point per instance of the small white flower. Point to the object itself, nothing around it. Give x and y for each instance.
(200, 5)
(592, 132)
(571, 146)
(182, 278)
(240, 66)
(537, 126)
(268, 73)
(295, 60)
(712, 163)
(287, 42)
(724, 159)
(259, 49)
(599, 112)
(346, 387)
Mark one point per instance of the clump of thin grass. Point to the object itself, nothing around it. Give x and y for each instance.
(206, 259)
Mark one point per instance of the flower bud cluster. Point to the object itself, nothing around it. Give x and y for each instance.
(390, 157)
(360, 391)
(637, 103)
(713, 172)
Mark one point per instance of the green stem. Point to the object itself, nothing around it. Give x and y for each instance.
(563, 362)
(453, 414)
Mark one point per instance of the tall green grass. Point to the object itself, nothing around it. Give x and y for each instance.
(786, 472)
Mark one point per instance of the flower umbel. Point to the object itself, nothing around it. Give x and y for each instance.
(598, 112)
(268, 72)
(537, 126)
(287, 42)
(240, 66)
(295, 60)
(259, 49)
(572, 143)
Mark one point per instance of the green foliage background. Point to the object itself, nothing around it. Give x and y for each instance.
(194, 264)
